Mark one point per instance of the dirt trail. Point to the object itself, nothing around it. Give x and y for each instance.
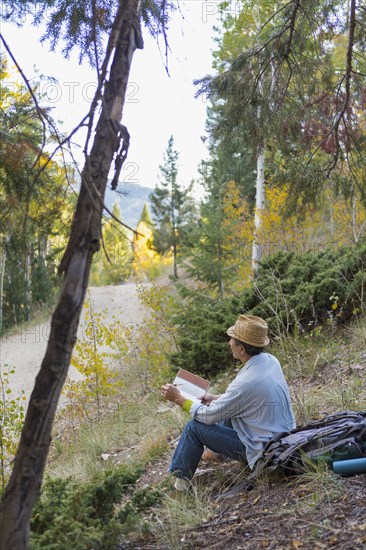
(25, 349)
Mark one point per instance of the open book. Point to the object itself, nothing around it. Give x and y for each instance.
(190, 385)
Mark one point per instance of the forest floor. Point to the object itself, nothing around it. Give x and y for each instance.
(318, 510)
(314, 511)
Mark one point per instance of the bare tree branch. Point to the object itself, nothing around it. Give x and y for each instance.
(292, 27)
(347, 78)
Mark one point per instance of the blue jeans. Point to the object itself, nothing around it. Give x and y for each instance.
(217, 437)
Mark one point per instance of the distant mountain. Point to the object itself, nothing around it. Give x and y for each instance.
(131, 198)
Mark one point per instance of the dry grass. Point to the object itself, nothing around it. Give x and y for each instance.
(132, 432)
(179, 514)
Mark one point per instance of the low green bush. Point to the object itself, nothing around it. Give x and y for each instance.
(130, 515)
(201, 335)
(293, 293)
(72, 514)
(297, 292)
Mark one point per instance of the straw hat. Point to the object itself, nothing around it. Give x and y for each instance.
(251, 330)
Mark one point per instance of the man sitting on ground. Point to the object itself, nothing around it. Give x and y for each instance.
(237, 424)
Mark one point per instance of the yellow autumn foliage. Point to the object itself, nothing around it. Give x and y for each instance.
(347, 220)
(335, 221)
(92, 359)
(238, 228)
(143, 349)
(147, 263)
(278, 232)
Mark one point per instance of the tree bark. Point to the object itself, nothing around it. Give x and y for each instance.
(27, 280)
(24, 485)
(2, 276)
(354, 217)
(259, 184)
(259, 206)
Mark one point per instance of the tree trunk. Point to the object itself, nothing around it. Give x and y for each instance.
(354, 217)
(27, 282)
(259, 184)
(8, 251)
(220, 282)
(2, 275)
(332, 223)
(175, 265)
(174, 232)
(259, 205)
(26, 478)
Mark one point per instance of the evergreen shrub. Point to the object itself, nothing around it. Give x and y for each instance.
(201, 336)
(292, 292)
(77, 515)
(297, 292)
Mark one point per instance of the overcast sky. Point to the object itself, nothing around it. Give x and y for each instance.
(157, 105)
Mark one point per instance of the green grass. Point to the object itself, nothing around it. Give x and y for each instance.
(325, 369)
(179, 513)
(305, 357)
(319, 484)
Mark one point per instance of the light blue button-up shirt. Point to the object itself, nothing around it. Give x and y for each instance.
(257, 402)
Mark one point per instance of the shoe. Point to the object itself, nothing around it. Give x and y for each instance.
(211, 456)
(182, 484)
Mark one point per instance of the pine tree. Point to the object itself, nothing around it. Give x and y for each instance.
(83, 28)
(224, 235)
(172, 208)
(145, 216)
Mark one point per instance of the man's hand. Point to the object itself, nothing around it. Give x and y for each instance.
(207, 398)
(171, 393)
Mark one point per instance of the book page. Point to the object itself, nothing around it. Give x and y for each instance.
(190, 385)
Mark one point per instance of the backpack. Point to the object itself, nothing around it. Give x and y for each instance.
(340, 436)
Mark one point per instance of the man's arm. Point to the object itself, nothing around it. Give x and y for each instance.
(231, 404)
(228, 406)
